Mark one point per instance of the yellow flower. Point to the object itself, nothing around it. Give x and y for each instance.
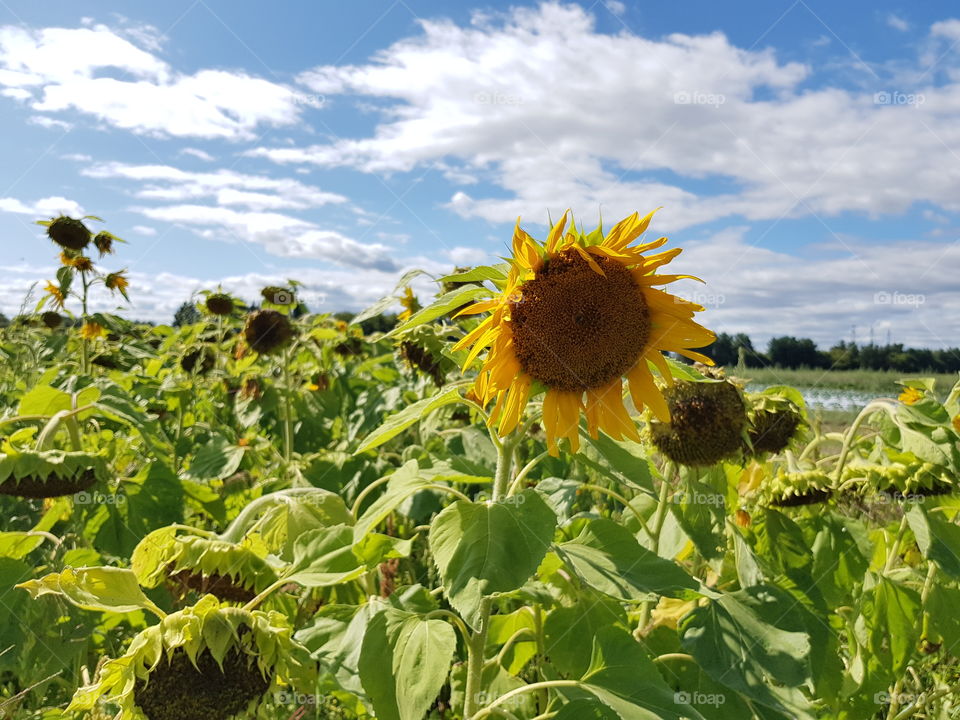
(910, 396)
(410, 304)
(341, 326)
(117, 281)
(578, 314)
(56, 294)
(956, 423)
(91, 330)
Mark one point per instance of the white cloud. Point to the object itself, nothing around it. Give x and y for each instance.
(897, 22)
(49, 122)
(97, 71)
(279, 234)
(43, 208)
(77, 157)
(198, 153)
(505, 100)
(144, 230)
(226, 187)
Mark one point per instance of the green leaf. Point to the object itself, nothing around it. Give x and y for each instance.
(44, 400)
(19, 544)
(217, 459)
(893, 622)
(607, 557)
(484, 549)
(444, 305)
(938, 539)
(324, 557)
(496, 274)
(388, 301)
(404, 663)
(107, 589)
(374, 548)
(740, 641)
(398, 422)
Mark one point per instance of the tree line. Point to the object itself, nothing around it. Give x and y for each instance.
(791, 352)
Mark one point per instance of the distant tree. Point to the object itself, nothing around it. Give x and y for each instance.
(791, 352)
(186, 314)
(4, 321)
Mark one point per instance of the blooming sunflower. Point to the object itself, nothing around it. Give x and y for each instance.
(56, 295)
(577, 315)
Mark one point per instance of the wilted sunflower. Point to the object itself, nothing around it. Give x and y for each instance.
(707, 423)
(52, 320)
(103, 241)
(219, 304)
(267, 331)
(577, 315)
(117, 281)
(68, 232)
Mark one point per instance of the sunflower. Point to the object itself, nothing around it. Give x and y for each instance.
(92, 330)
(577, 315)
(410, 304)
(910, 396)
(56, 294)
(118, 281)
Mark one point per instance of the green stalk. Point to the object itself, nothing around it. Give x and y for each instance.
(287, 409)
(659, 518)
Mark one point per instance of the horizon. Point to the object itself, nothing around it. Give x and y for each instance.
(343, 146)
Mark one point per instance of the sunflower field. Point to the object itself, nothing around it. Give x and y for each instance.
(519, 503)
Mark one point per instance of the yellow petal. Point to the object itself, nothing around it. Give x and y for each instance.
(590, 261)
(645, 392)
(556, 232)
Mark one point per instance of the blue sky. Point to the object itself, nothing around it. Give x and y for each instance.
(806, 154)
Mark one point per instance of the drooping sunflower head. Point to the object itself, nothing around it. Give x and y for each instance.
(775, 421)
(707, 422)
(69, 233)
(51, 319)
(219, 304)
(103, 241)
(268, 331)
(576, 315)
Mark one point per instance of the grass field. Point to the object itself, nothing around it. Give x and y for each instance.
(881, 382)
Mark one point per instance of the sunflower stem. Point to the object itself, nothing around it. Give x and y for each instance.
(659, 518)
(287, 409)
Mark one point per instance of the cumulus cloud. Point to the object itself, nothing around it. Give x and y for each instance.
(97, 71)
(226, 187)
(42, 208)
(626, 120)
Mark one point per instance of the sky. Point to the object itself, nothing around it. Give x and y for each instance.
(806, 154)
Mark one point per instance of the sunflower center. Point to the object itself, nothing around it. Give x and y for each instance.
(575, 329)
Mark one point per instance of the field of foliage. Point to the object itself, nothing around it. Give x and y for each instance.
(270, 514)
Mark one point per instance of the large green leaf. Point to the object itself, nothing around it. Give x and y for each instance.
(404, 662)
(607, 557)
(443, 305)
(44, 400)
(217, 459)
(483, 549)
(324, 557)
(938, 539)
(400, 421)
(893, 614)
(740, 641)
(108, 589)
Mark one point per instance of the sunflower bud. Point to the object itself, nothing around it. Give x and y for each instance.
(103, 241)
(52, 320)
(774, 423)
(707, 420)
